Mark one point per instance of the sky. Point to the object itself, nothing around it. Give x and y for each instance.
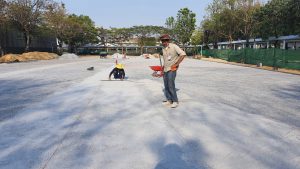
(128, 13)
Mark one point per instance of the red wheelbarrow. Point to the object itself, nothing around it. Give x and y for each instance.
(158, 71)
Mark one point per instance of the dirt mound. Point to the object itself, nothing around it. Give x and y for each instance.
(27, 57)
(39, 56)
(9, 58)
(156, 55)
(213, 59)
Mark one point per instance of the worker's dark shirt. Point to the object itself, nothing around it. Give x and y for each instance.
(118, 73)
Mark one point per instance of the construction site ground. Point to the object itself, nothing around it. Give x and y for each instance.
(57, 114)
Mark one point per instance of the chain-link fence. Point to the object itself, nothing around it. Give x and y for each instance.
(277, 58)
(131, 51)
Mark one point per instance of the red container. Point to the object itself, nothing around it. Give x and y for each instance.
(156, 68)
(158, 71)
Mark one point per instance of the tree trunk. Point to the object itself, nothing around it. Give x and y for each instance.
(215, 45)
(27, 41)
(142, 50)
(1, 51)
(59, 49)
(1, 42)
(247, 42)
(72, 48)
(3, 37)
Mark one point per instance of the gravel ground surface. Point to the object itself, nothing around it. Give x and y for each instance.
(56, 114)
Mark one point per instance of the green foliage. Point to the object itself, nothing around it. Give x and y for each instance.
(55, 17)
(3, 5)
(229, 20)
(147, 41)
(170, 25)
(80, 30)
(119, 35)
(103, 35)
(3, 17)
(246, 21)
(170, 22)
(185, 25)
(27, 15)
(197, 37)
(181, 28)
(293, 16)
(3, 20)
(145, 35)
(144, 32)
(278, 18)
(271, 19)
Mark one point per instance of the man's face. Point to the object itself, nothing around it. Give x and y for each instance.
(165, 42)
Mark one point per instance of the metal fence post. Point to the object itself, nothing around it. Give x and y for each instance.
(274, 59)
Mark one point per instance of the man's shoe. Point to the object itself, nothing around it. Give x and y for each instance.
(174, 105)
(166, 102)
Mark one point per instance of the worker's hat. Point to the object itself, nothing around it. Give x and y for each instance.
(120, 66)
(165, 37)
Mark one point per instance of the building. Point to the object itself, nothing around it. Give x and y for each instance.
(286, 42)
(13, 41)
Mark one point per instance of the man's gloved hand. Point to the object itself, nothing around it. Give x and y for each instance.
(174, 67)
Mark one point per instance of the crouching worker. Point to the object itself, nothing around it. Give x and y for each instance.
(118, 72)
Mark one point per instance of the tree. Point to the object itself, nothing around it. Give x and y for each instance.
(293, 16)
(197, 37)
(245, 18)
(278, 18)
(228, 20)
(213, 32)
(3, 5)
(145, 32)
(270, 19)
(228, 24)
(3, 22)
(150, 41)
(56, 16)
(231, 19)
(170, 25)
(185, 25)
(103, 35)
(79, 30)
(223, 15)
(296, 10)
(27, 14)
(119, 35)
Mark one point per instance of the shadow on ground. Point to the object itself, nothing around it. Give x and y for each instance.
(16, 95)
(190, 155)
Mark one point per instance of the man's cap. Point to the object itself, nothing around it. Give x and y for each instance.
(165, 37)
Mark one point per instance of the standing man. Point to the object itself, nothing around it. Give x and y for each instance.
(172, 57)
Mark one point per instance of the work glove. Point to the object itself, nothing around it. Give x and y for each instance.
(174, 67)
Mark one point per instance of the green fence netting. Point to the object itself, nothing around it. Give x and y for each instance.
(278, 58)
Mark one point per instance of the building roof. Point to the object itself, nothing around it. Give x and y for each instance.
(257, 40)
(289, 37)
